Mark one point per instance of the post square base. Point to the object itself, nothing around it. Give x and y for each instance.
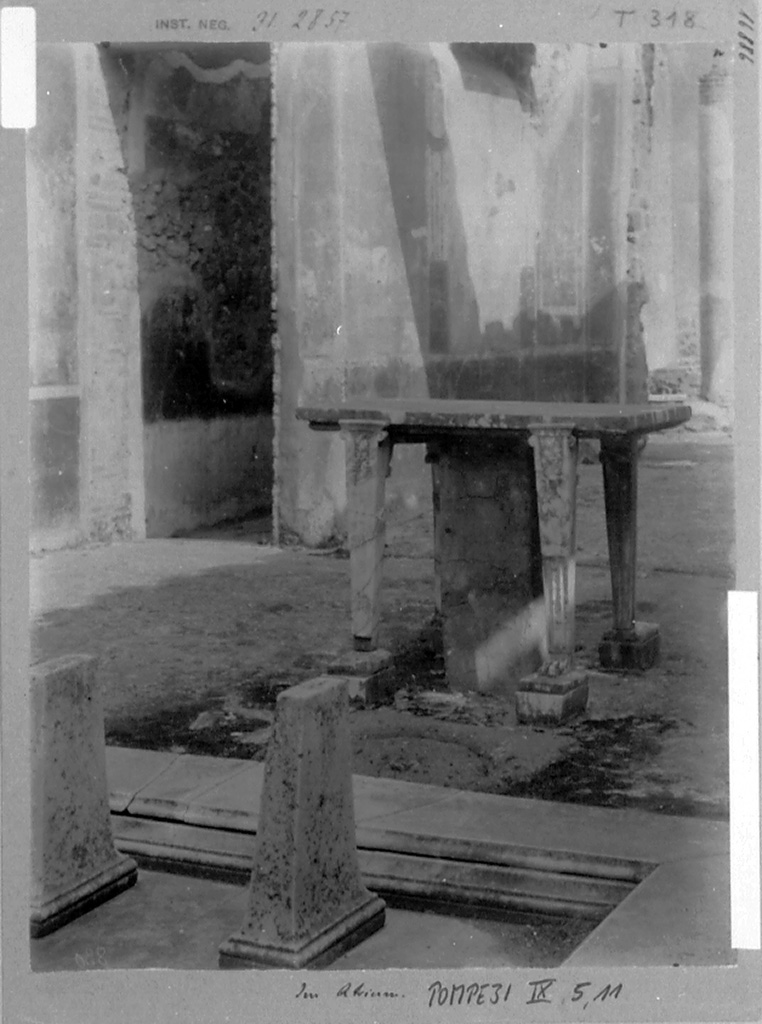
(551, 700)
(111, 881)
(636, 648)
(244, 952)
(370, 675)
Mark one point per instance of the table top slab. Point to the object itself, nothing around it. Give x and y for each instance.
(411, 416)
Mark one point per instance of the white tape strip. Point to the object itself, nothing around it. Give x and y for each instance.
(18, 67)
(743, 681)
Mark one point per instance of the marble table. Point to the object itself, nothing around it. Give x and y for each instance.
(372, 427)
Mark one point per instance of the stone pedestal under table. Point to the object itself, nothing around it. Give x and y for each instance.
(505, 485)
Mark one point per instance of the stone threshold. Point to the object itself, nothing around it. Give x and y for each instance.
(198, 815)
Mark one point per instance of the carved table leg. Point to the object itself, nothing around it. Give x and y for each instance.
(368, 449)
(555, 452)
(557, 691)
(629, 644)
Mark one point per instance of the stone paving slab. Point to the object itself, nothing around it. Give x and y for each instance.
(378, 798)
(205, 790)
(129, 771)
(232, 803)
(629, 834)
(679, 914)
(184, 782)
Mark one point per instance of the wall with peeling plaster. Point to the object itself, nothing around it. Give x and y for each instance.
(201, 187)
(199, 152)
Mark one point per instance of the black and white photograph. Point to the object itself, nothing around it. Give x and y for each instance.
(380, 465)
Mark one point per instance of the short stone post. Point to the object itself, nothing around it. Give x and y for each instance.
(557, 691)
(307, 902)
(75, 865)
(629, 644)
(368, 458)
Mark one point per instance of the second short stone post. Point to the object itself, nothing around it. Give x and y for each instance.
(368, 451)
(557, 691)
(307, 900)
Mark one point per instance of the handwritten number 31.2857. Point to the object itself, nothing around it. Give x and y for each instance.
(335, 19)
(317, 17)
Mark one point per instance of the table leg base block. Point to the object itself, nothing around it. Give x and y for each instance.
(637, 648)
(370, 675)
(85, 897)
(363, 643)
(242, 951)
(361, 662)
(551, 700)
(379, 688)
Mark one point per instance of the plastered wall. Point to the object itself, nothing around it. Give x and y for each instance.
(150, 292)
(448, 229)
(86, 406)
